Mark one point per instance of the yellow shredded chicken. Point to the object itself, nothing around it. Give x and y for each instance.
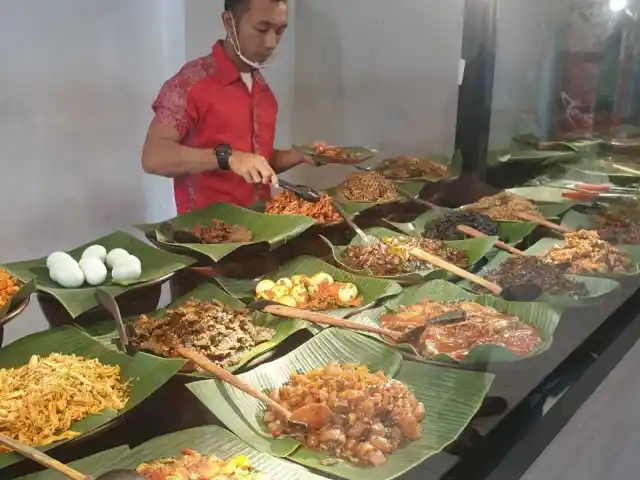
(39, 401)
(9, 286)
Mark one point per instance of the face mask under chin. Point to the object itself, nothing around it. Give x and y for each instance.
(235, 41)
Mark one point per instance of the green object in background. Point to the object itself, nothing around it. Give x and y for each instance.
(147, 373)
(105, 332)
(225, 445)
(475, 248)
(275, 230)
(451, 398)
(538, 315)
(156, 264)
(370, 289)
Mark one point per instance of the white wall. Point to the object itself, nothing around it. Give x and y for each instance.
(78, 77)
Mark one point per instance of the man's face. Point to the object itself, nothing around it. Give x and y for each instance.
(259, 28)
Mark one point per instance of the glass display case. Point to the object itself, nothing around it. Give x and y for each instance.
(484, 195)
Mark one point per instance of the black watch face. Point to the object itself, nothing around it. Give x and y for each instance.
(223, 150)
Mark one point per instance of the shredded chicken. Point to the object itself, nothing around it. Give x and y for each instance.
(9, 286)
(39, 401)
(404, 167)
(368, 187)
(373, 415)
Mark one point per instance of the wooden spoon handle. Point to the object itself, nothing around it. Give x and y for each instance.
(231, 379)
(440, 263)
(320, 318)
(543, 222)
(42, 458)
(472, 232)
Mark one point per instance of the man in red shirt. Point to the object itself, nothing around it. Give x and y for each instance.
(215, 121)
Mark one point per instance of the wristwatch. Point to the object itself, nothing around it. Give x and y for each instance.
(223, 153)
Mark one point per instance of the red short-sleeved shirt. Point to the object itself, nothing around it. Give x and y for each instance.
(209, 104)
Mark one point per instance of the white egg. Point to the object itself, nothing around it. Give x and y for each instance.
(114, 255)
(56, 257)
(126, 272)
(95, 273)
(129, 259)
(68, 275)
(97, 251)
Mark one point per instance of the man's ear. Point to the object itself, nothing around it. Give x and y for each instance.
(227, 21)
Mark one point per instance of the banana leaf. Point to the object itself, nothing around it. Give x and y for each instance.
(211, 439)
(360, 154)
(597, 288)
(147, 373)
(354, 208)
(543, 193)
(156, 264)
(93, 465)
(371, 289)
(274, 230)
(543, 245)
(450, 397)
(538, 315)
(284, 327)
(475, 248)
(25, 290)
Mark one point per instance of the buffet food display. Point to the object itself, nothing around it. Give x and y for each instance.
(378, 408)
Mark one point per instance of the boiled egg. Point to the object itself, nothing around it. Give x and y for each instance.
(299, 294)
(57, 257)
(280, 291)
(288, 300)
(264, 286)
(95, 273)
(95, 251)
(347, 293)
(285, 282)
(126, 271)
(321, 277)
(68, 275)
(114, 255)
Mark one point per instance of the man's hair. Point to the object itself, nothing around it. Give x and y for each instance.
(239, 6)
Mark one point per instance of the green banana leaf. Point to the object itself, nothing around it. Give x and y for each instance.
(576, 220)
(476, 249)
(156, 264)
(597, 288)
(147, 373)
(354, 208)
(451, 398)
(511, 232)
(26, 289)
(274, 230)
(284, 327)
(94, 465)
(360, 153)
(211, 439)
(538, 315)
(544, 245)
(543, 193)
(371, 289)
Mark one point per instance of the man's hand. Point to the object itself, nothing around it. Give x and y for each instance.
(253, 168)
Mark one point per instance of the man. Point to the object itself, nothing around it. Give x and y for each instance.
(215, 121)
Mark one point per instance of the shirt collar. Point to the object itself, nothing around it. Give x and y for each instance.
(226, 71)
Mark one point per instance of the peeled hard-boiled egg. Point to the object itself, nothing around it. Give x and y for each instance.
(114, 255)
(264, 286)
(57, 257)
(129, 259)
(95, 251)
(126, 271)
(347, 293)
(95, 273)
(68, 275)
(320, 278)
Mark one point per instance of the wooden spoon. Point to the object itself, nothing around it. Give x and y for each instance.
(526, 292)
(313, 416)
(543, 222)
(53, 464)
(472, 232)
(407, 336)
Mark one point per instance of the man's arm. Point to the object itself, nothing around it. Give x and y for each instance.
(283, 160)
(164, 155)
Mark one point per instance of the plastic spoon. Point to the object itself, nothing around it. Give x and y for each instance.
(53, 464)
(313, 416)
(472, 232)
(408, 336)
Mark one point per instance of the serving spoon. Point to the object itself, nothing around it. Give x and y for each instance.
(472, 232)
(317, 318)
(53, 464)
(178, 236)
(312, 416)
(543, 222)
